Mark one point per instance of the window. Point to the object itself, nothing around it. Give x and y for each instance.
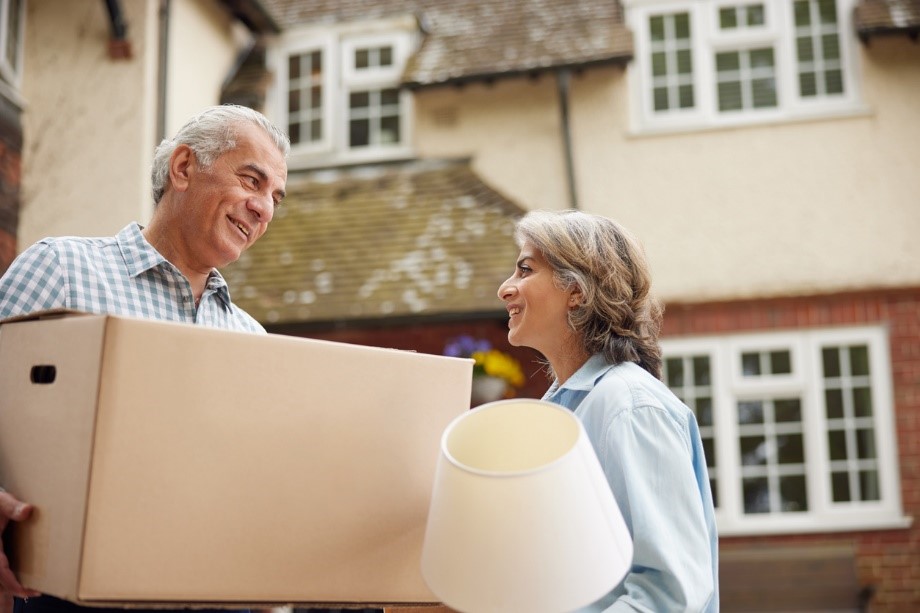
(797, 427)
(725, 62)
(11, 28)
(338, 94)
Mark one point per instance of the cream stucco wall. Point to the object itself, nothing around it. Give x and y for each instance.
(88, 120)
(203, 47)
(785, 208)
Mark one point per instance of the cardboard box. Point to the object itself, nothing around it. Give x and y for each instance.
(177, 464)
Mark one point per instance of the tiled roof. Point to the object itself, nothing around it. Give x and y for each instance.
(419, 238)
(476, 39)
(875, 17)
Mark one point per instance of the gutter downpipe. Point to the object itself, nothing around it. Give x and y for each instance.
(563, 76)
(161, 70)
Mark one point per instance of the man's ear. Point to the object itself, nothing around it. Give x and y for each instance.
(181, 164)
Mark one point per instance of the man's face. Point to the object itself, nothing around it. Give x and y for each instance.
(230, 203)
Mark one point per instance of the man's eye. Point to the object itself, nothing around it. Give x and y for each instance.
(251, 181)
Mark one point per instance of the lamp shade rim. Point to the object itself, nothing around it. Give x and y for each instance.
(509, 473)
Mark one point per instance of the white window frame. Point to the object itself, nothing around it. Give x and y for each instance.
(707, 39)
(11, 73)
(337, 44)
(805, 382)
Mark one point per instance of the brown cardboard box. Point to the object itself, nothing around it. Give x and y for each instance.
(180, 464)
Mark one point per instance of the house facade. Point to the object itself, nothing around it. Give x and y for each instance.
(762, 151)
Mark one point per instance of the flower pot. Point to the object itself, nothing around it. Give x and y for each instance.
(487, 388)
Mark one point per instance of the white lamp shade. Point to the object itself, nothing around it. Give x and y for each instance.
(522, 518)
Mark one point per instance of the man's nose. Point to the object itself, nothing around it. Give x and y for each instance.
(263, 205)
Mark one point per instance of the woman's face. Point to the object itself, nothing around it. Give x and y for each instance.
(537, 309)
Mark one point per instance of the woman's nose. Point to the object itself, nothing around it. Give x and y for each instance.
(506, 290)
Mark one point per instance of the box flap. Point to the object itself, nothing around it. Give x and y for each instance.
(49, 373)
(46, 314)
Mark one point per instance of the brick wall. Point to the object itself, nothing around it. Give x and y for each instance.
(10, 172)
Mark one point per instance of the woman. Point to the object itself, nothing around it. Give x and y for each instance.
(580, 296)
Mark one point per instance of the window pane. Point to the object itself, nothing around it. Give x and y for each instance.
(293, 100)
(793, 493)
(659, 64)
(389, 96)
(361, 59)
(750, 362)
(865, 444)
(788, 410)
(862, 402)
(709, 450)
(728, 18)
(684, 62)
(750, 412)
(764, 96)
(389, 130)
(359, 133)
(753, 450)
(755, 15)
(674, 368)
(701, 371)
(685, 96)
(704, 411)
(791, 449)
(661, 99)
(828, 11)
(805, 49)
(359, 100)
(831, 360)
(830, 47)
(837, 445)
(780, 361)
(802, 13)
(807, 84)
(294, 67)
(656, 28)
(869, 485)
(840, 486)
(316, 99)
(316, 130)
(834, 82)
(316, 63)
(682, 25)
(294, 133)
(756, 495)
(386, 56)
(730, 98)
(833, 402)
(859, 360)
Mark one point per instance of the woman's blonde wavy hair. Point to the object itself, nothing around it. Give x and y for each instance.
(617, 315)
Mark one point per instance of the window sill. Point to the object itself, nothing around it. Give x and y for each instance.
(689, 127)
(814, 525)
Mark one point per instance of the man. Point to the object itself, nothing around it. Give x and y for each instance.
(215, 185)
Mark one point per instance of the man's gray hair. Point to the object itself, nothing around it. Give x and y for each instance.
(210, 134)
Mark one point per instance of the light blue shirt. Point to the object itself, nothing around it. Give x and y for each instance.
(118, 275)
(649, 446)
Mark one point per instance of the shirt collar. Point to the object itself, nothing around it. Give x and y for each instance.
(585, 377)
(140, 256)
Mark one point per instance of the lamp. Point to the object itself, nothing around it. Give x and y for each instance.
(521, 518)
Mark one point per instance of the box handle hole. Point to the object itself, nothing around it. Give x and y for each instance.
(43, 374)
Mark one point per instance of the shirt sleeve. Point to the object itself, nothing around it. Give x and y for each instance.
(647, 458)
(35, 281)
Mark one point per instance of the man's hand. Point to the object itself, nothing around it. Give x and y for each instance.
(11, 509)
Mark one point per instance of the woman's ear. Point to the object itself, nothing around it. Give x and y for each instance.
(576, 298)
(180, 164)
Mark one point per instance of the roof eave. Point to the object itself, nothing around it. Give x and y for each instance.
(912, 32)
(253, 15)
(535, 71)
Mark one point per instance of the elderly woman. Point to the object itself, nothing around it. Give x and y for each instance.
(580, 296)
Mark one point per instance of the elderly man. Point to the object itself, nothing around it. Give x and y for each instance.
(216, 185)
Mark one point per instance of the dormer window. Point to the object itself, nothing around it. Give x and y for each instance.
(338, 95)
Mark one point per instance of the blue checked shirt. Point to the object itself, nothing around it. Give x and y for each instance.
(119, 275)
(649, 446)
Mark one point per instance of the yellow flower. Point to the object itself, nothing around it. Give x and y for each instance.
(498, 364)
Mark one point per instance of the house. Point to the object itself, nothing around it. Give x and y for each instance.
(763, 151)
